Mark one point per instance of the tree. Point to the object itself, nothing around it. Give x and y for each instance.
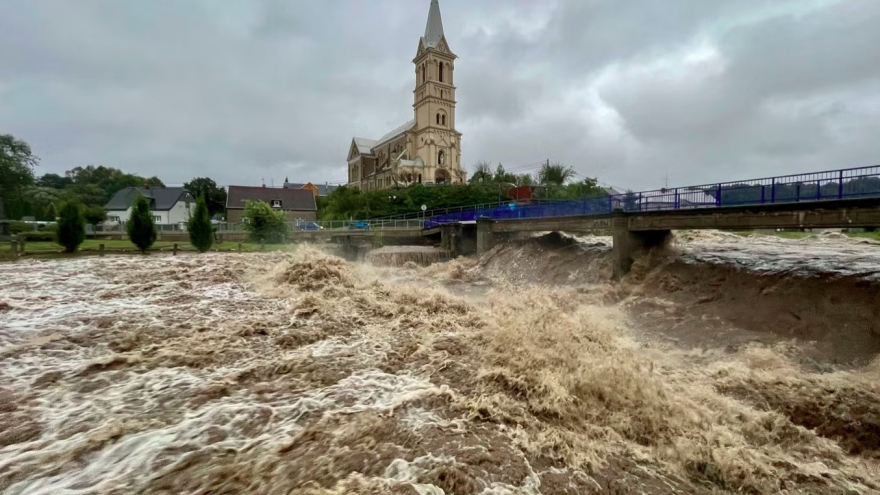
(71, 227)
(140, 227)
(215, 197)
(482, 172)
(201, 235)
(263, 224)
(95, 214)
(17, 172)
(502, 175)
(96, 185)
(51, 212)
(54, 181)
(555, 175)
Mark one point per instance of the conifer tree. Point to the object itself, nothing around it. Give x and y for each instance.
(71, 227)
(140, 227)
(201, 236)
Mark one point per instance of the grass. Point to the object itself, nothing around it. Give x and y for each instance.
(91, 246)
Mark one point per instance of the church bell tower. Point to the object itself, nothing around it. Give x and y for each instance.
(437, 142)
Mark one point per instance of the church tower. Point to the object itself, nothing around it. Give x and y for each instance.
(437, 142)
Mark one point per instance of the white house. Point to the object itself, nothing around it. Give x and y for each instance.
(169, 205)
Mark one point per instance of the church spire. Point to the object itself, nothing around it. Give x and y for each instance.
(434, 28)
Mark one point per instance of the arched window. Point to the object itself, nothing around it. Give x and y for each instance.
(441, 71)
(424, 74)
(438, 119)
(443, 120)
(420, 178)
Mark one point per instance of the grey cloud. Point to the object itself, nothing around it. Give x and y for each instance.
(241, 91)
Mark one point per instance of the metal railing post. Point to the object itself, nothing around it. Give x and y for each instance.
(840, 186)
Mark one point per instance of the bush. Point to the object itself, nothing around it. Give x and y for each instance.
(95, 214)
(263, 224)
(17, 227)
(71, 231)
(201, 235)
(140, 227)
(44, 236)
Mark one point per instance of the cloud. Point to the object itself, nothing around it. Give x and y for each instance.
(630, 91)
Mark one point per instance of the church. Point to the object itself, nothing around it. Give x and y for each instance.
(427, 149)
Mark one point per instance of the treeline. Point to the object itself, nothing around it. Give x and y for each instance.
(42, 197)
(553, 181)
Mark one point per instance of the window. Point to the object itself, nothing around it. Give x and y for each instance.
(438, 119)
(441, 71)
(276, 203)
(157, 219)
(114, 218)
(424, 73)
(443, 120)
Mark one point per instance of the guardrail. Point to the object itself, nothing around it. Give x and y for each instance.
(841, 184)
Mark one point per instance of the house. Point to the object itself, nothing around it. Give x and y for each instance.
(295, 203)
(318, 190)
(169, 205)
(426, 149)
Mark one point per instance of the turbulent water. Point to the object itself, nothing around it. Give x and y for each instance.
(524, 372)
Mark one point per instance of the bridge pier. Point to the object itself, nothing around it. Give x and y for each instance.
(452, 239)
(486, 236)
(627, 244)
(349, 249)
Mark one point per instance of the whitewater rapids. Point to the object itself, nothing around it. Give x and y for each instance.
(526, 372)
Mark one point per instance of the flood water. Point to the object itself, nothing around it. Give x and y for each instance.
(527, 372)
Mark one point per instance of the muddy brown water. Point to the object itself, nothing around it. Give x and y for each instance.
(723, 365)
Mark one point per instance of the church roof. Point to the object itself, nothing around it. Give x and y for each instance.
(364, 145)
(434, 28)
(396, 132)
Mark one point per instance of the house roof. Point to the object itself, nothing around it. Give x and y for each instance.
(291, 199)
(396, 132)
(161, 198)
(323, 189)
(364, 145)
(611, 191)
(434, 28)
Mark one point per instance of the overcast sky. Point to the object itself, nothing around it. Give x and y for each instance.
(624, 90)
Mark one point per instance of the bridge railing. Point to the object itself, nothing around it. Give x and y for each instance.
(817, 186)
(514, 210)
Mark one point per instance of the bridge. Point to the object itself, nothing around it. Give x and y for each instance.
(844, 198)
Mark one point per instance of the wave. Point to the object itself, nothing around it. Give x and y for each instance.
(302, 373)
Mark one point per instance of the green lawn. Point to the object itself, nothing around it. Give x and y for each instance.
(110, 246)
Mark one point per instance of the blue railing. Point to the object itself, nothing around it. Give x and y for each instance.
(852, 183)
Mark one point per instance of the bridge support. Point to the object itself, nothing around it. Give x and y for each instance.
(486, 236)
(349, 248)
(452, 239)
(629, 243)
